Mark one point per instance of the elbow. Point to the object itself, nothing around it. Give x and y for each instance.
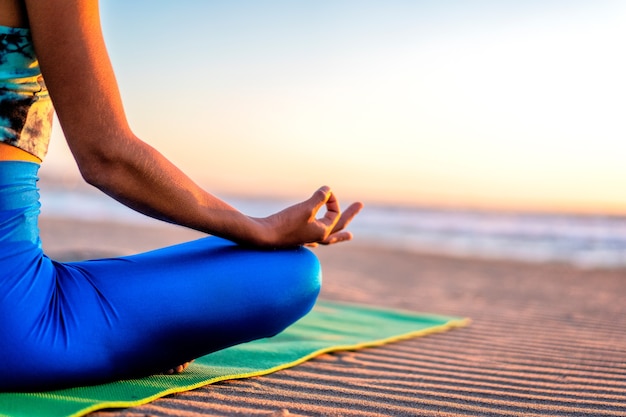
(93, 173)
(100, 164)
(109, 167)
(96, 169)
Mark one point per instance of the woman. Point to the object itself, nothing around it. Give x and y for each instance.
(96, 321)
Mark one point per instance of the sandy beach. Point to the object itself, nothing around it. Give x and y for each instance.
(545, 339)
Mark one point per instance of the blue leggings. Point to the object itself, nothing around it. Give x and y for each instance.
(78, 323)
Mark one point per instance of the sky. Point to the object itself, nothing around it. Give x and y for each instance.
(457, 103)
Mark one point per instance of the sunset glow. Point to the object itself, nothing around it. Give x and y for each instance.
(482, 104)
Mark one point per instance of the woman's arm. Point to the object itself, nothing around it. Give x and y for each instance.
(77, 70)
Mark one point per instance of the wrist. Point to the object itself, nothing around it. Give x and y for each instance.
(261, 233)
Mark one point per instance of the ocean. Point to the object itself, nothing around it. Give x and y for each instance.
(588, 241)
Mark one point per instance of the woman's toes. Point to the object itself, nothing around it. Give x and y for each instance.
(178, 369)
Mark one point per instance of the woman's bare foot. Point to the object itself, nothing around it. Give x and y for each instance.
(178, 369)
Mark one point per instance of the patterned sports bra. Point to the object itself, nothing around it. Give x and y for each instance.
(25, 106)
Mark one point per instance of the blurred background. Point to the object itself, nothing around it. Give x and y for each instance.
(458, 117)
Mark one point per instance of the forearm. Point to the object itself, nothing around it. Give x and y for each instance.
(143, 179)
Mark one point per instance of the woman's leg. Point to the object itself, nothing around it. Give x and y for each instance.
(95, 321)
(169, 306)
(101, 320)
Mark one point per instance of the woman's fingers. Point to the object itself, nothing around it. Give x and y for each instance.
(337, 237)
(333, 212)
(338, 234)
(347, 216)
(324, 196)
(334, 220)
(319, 198)
(323, 230)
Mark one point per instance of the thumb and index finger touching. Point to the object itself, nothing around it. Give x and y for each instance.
(325, 197)
(333, 219)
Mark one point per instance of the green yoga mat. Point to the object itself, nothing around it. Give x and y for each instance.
(329, 327)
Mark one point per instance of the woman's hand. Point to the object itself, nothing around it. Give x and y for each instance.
(299, 224)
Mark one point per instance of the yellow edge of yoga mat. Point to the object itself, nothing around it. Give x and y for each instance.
(126, 404)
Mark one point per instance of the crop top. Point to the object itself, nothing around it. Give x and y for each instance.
(25, 106)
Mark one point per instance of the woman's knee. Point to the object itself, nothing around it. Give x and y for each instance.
(311, 273)
(295, 296)
(308, 275)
